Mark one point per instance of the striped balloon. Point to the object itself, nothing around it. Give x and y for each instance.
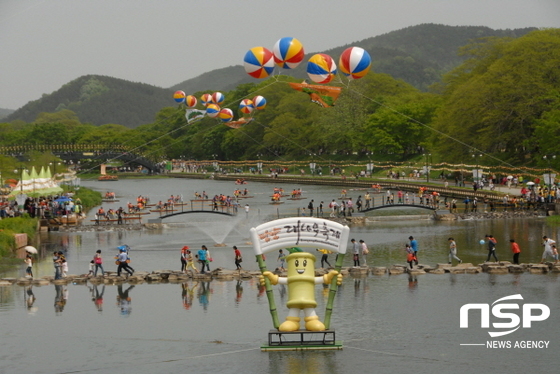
(191, 101)
(225, 115)
(212, 110)
(288, 53)
(246, 106)
(354, 62)
(258, 62)
(321, 68)
(259, 102)
(179, 96)
(218, 98)
(206, 99)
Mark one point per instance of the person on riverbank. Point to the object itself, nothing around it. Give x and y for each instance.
(453, 251)
(122, 259)
(333, 205)
(57, 265)
(63, 265)
(238, 258)
(310, 207)
(516, 251)
(29, 266)
(414, 245)
(324, 257)
(410, 258)
(190, 262)
(201, 255)
(282, 260)
(184, 256)
(547, 244)
(365, 251)
(355, 252)
(98, 260)
(491, 247)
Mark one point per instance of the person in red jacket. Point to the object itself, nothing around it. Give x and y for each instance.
(516, 251)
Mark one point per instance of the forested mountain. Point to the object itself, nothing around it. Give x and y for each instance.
(100, 100)
(5, 112)
(418, 55)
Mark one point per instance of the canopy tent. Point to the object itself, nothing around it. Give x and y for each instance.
(36, 184)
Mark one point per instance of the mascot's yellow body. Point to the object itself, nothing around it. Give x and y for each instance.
(301, 281)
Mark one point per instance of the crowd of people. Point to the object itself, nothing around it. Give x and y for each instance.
(41, 207)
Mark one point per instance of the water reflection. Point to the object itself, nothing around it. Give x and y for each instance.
(123, 300)
(302, 362)
(187, 294)
(97, 297)
(30, 300)
(204, 294)
(60, 298)
(412, 282)
(238, 292)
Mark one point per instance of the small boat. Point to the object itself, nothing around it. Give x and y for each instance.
(244, 197)
(276, 202)
(295, 198)
(163, 210)
(107, 178)
(110, 200)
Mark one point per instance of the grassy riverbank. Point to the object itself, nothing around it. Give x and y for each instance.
(27, 225)
(11, 226)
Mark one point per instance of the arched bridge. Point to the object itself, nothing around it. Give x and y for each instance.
(196, 206)
(429, 207)
(73, 153)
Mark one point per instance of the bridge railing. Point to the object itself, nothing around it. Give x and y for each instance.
(197, 206)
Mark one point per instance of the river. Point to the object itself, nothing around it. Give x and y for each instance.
(386, 323)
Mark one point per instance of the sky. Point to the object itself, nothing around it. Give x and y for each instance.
(45, 44)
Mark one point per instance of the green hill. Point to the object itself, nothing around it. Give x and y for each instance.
(100, 100)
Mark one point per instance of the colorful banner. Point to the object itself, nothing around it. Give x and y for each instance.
(194, 114)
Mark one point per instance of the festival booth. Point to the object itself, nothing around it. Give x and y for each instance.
(293, 234)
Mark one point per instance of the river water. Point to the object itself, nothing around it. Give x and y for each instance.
(386, 323)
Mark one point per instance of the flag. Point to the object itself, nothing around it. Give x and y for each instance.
(324, 96)
(194, 114)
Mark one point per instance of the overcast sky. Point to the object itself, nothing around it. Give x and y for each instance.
(47, 43)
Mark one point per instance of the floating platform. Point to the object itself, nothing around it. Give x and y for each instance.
(301, 340)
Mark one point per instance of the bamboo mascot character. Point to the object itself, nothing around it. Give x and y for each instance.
(301, 281)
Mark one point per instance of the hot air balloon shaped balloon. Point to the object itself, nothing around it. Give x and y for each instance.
(179, 96)
(259, 102)
(321, 68)
(206, 99)
(354, 62)
(191, 101)
(258, 62)
(225, 115)
(288, 53)
(212, 110)
(218, 98)
(246, 106)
